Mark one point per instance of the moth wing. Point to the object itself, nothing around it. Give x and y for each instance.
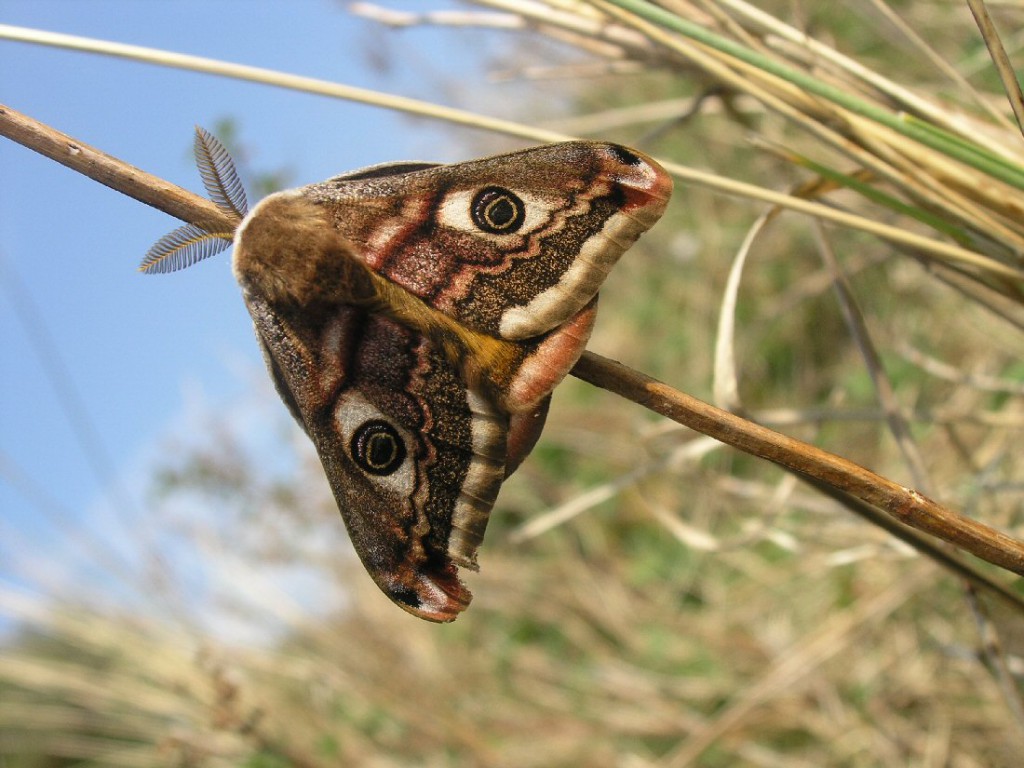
(396, 168)
(414, 457)
(513, 245)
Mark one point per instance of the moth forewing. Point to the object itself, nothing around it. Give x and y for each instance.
(511, 246)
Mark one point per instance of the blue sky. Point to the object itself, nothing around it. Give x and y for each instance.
(140, 350)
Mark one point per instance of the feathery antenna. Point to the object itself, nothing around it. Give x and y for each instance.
(189, 244)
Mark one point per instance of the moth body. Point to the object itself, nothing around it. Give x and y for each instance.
(415, 319)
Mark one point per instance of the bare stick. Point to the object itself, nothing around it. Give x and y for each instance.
(903, 504)
(111, 172)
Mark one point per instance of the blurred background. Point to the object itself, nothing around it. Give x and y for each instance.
(176, 586)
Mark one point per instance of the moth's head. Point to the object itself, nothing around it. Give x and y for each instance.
(287, 250)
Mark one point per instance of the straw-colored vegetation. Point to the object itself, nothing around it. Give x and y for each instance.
(679, 603)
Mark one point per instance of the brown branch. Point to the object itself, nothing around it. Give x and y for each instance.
(114, 173)
(902, 504)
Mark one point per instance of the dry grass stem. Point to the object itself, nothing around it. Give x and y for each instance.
(999, 58)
